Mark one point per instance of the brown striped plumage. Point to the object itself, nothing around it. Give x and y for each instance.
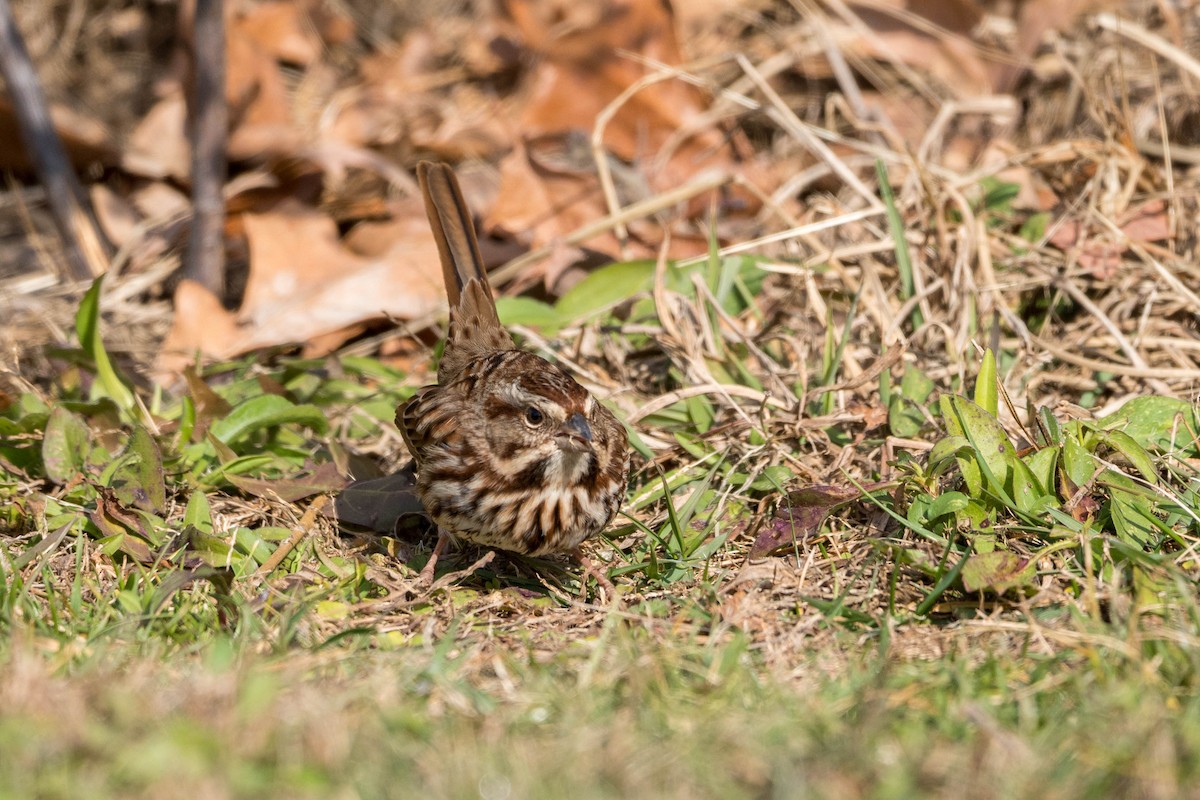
(511, 452)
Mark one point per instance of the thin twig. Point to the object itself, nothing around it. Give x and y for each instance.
(1134, 32)
(303, 529)
(208, 129)
(87, 249)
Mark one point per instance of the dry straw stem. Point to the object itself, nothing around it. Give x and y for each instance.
(603, 165)
(303, 528)
(1136, 33)
(704, 182)
(777, 111)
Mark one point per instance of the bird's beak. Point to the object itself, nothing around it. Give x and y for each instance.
(575, 433)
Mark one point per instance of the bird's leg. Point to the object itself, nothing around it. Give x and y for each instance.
(590, 568)
(426, 577)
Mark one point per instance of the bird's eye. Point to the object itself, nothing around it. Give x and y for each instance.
(533, 415)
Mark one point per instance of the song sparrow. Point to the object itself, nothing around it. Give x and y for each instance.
(511, 452)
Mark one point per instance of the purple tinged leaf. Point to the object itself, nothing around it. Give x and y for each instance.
(799, 516)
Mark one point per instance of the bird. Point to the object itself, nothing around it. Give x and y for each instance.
(510, 451)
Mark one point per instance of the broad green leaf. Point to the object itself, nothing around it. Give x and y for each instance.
(904, 418)
(991, 446)
(87, 327)
(1042, 463)
(1034, 228)
(198, 514)
(773, 478)
(1133, 452)
(947, 503)
(918, 512)
(997, 571)
(1078, 464)
(978, 522)
(916, 385)
(945, 450)
(605, 288)
(531, 313)
(253, 544)
(266, 411)
(216, 551)
(1028, 491)
(141, 477)
(65, 445)
(332, 609)
(1156, 423)
(987, 393)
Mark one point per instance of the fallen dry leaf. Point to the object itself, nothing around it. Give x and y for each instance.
(1035, 19)
(549, 181)
(117, 216)
(1099, 251)
(158, 146)
(291, 248)
(86, 140)
(259, 107)
(930, 36)
(201, 325)
(316, 480)
(799, 516)
(304, 282)
(281, 31)
(305, 286)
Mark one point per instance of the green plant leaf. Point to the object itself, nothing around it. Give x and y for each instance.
(774, 478)
(65, 445)
(87, 327)
(139, 481)
(899, 242)
(1034, 228)
(1042, 463)
(701, 411)
(1131, 513)
(905, 417)
(1049, 427)
(1077, 462)
(997, 571)
(605, 288)
(1029, 493)
(947, 503)
(987, 393)
(1156, 423)
(198, 513)
(266, 411)
(944, 452)
(978, 522)
(531, 313)
(991, 447)
(1133, 452)
(999, 194)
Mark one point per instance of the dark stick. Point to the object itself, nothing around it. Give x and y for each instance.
(87, 248)
(209, 127)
